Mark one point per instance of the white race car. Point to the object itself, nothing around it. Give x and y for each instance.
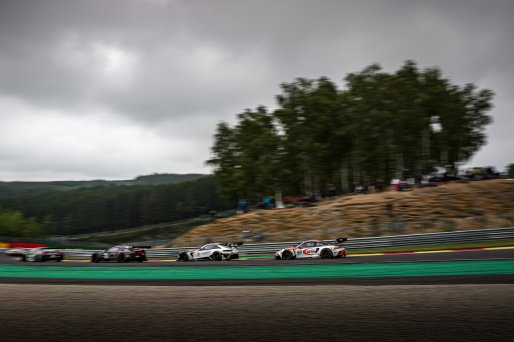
(211, 251)
(43, 254)
(313, 249)
(16, 252)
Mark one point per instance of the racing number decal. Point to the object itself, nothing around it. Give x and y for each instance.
(309, 251)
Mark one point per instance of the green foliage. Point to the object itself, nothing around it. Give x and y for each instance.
(107, 208)
(510, 170)
(14, 224)
(156, 232)
(16, 189)
(380, 126)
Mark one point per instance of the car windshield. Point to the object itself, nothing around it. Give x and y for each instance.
(209, 246)
(307, 244)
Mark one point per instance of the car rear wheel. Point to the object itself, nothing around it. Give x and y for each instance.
(287, 255)
(121, 258)
(233, 256)
(326, 254)
(216, 256)
(38, 258)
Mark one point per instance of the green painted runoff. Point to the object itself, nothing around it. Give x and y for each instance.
(403, 269)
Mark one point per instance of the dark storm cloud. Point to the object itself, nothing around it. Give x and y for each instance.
(163, 66)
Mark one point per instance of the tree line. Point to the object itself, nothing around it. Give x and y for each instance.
(112, 207)
(14, 223)
(379, 126)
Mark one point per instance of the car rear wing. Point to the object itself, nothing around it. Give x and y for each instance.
(142, 247)
(341, 240)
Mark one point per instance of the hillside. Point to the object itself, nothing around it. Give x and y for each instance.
(95, 209)
(19, 188)
(453, 206)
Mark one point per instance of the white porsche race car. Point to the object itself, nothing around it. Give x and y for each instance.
(211, 251)
(313, 249)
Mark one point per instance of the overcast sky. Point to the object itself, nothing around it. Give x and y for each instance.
(111, 89)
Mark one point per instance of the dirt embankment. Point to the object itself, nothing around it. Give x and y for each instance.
(454, 206)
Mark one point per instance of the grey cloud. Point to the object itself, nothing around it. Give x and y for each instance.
(193, 63)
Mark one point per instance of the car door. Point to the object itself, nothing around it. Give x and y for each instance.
(306, 250)
(202, 252)
(112, 253)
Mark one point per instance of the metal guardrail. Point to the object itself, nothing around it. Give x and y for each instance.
(357, 243)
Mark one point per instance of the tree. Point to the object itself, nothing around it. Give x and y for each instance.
(15, 224)
(246, 156)
(381, 125)
(510, 170)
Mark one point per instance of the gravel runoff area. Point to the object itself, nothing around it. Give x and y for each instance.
(257, 313)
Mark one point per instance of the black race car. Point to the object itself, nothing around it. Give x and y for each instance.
(121, 254)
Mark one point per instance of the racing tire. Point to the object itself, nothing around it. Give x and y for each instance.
(121, 258)
(183, 257)
(94, 258)
(58, 259)
(23, 258)
(287, 255)
(233, 257)
(38, 258)
(326, 254)
(216, 256)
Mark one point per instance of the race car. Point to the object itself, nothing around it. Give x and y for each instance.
(41, 254)
(212, 251)
(313, 249)
(121, 254)
(16, 252)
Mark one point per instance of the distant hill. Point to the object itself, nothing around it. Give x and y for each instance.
(74, 207)
(19, 188)
(453, 206)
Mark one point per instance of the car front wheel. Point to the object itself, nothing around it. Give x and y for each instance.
(287, 255)
(216, 256)
(326, 254)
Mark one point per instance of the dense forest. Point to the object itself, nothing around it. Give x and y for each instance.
(108, 206)
(378, 127)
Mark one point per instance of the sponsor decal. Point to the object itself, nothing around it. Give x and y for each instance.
(309, 251)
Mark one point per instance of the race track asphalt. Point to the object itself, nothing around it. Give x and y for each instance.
(463, 267)
(399, 257)
(257, 313)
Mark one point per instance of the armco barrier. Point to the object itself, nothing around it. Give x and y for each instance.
(369, 243)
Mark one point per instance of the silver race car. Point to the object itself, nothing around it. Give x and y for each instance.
(43, 254)
(314, 249)
(121, 254)
(212, 251)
